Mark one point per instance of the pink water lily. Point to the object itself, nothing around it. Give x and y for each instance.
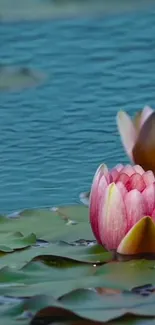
(122, 209)
(138, 137)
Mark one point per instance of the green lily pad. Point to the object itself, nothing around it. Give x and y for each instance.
(59, 276)
(89, 305)
(11, 313)
(126, 275)
(72, 213)
(13, 241)
(42, 309)
(90, 255)
(13, 79)
(52, 226)
(55, 280)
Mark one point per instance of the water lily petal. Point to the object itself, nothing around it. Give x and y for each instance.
(122, 188)
(109, 178)
(136, 182)
(140, 239)
(135, 207)
(137, 120)
(148, 177)
(147, 111)
(123, 178)
(119, 167)
(95, 193)
(102, 186)
(102, 170)
(128, 169)
(149, 198)
(144, 148)
(114, 174)
(138, 169)
(112, 214)
(127, 132)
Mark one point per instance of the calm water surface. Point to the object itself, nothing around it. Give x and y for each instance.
(54, 136)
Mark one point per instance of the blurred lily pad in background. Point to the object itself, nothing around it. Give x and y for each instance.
(44, 9)
(16, 78)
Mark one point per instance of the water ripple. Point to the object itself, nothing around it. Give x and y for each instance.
(54, 137)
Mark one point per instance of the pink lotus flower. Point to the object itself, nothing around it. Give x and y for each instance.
(122, 209)
(138, 137)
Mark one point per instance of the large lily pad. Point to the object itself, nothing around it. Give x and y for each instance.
(56, 254)
(62, 275)
(36, 278)
(89, 305)
(73, 213)
(45, 310)
(65, 224)
(126, 275)
(66, 282)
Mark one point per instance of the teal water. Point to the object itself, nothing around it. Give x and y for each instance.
(54, 136)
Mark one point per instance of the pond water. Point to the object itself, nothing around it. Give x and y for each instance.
(53, 136)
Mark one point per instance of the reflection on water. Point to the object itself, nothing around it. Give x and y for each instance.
(54, 136)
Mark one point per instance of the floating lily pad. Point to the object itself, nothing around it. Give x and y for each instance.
(72, 213)
(12, 241)
(52, 226)
(13, 79)
(56, 253)
(54, 280)
(89, 305)
(42, 309)
(42, 9)
(58, 278)
(127, 275)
